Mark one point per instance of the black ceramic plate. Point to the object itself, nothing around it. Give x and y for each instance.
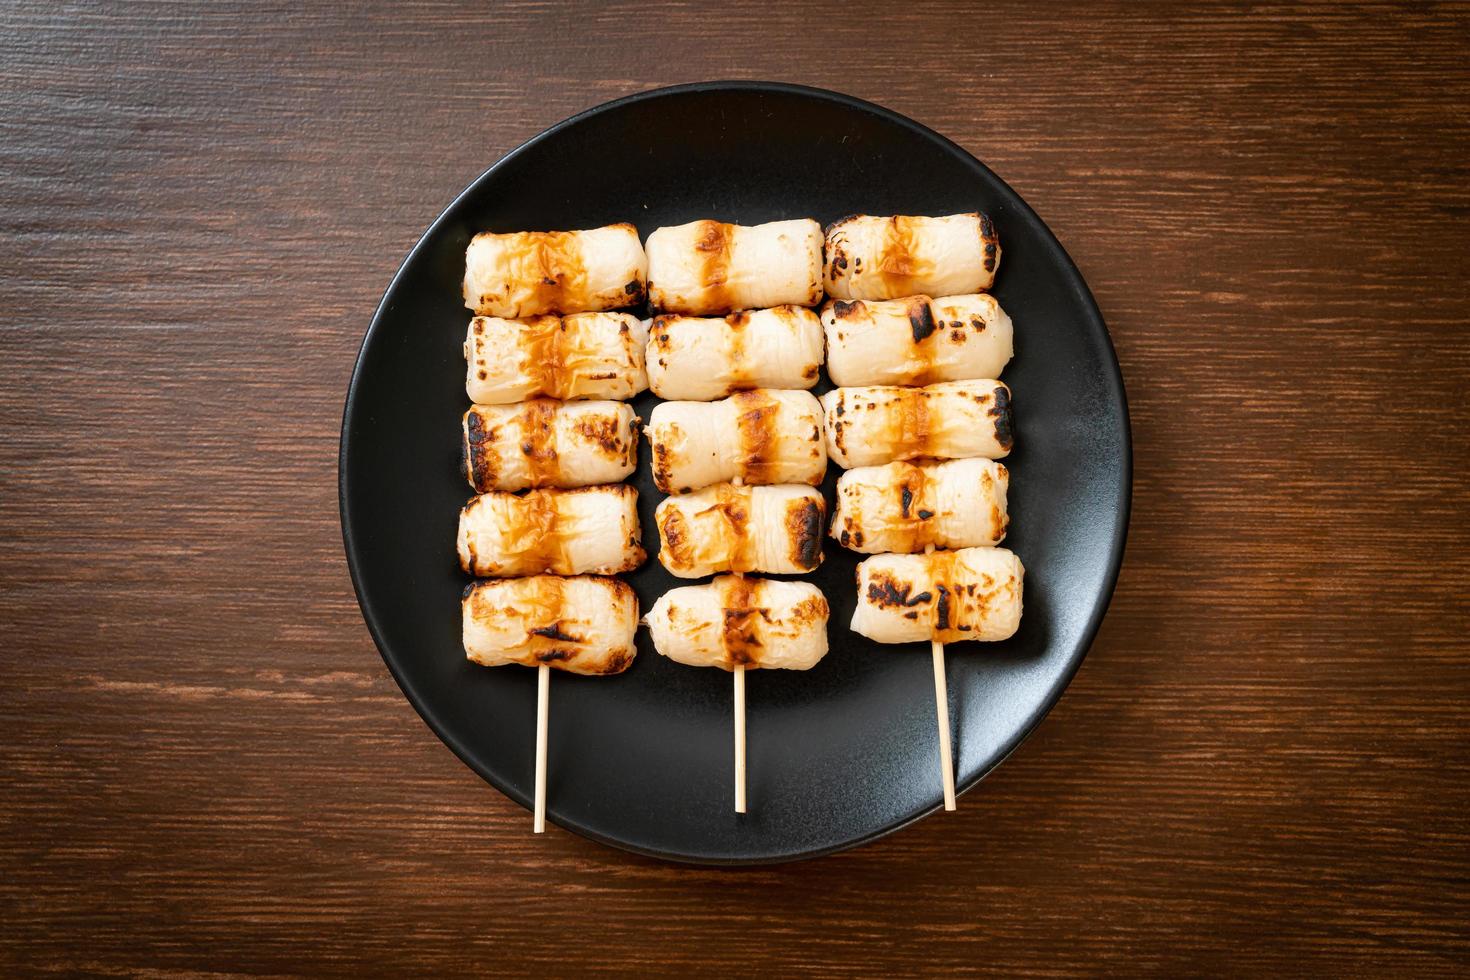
(839, 754)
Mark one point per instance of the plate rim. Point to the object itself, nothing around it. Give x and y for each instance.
(1117, 546)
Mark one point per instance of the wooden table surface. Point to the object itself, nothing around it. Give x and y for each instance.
(1261, 767)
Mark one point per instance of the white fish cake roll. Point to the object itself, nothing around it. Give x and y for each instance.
(916, 340)
(870, 257)
(546, 443)
(698, 359)
(728, 528)
(734, 620)
(528, 273)
(585, 355)
(591, 530)
(764, 436)
(949, 596)
(906, 507)
(950, 420)
(709, 268)
(583, 625)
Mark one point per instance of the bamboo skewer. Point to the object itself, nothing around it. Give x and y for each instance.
(543, 698)
(739, 675)
(739, 738)
(941, 710)
(941, 704)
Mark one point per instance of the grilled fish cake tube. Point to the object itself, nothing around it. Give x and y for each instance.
(709, 268)
(698, 359)
(528, 273)
(916, 340)
(591, 530)
(728, 528)
(546, 443)
(949, 420)
(584, 625)
(906, 507)
(949, 596)
(584, 355)
(868, 257)
(763, 437)
(735, 620)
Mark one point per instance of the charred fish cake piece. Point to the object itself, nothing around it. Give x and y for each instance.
(949, 596)
(583, 625)
(870, 257)
(529, 273)
(737, 621)
(710, 268)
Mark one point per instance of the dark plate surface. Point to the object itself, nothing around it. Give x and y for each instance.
(842, 753)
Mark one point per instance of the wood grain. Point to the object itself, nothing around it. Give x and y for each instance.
(1261, 768)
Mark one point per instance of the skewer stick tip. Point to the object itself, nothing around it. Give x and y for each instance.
(739, 673)
(941, 711)
(543, 699)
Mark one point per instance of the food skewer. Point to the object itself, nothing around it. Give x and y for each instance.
(940, 596)
(924, 502)
(741, 623)
(883, 330)
(706, 451)
(528, 371)
(583, 624)
(589, 529)
(901, 507)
